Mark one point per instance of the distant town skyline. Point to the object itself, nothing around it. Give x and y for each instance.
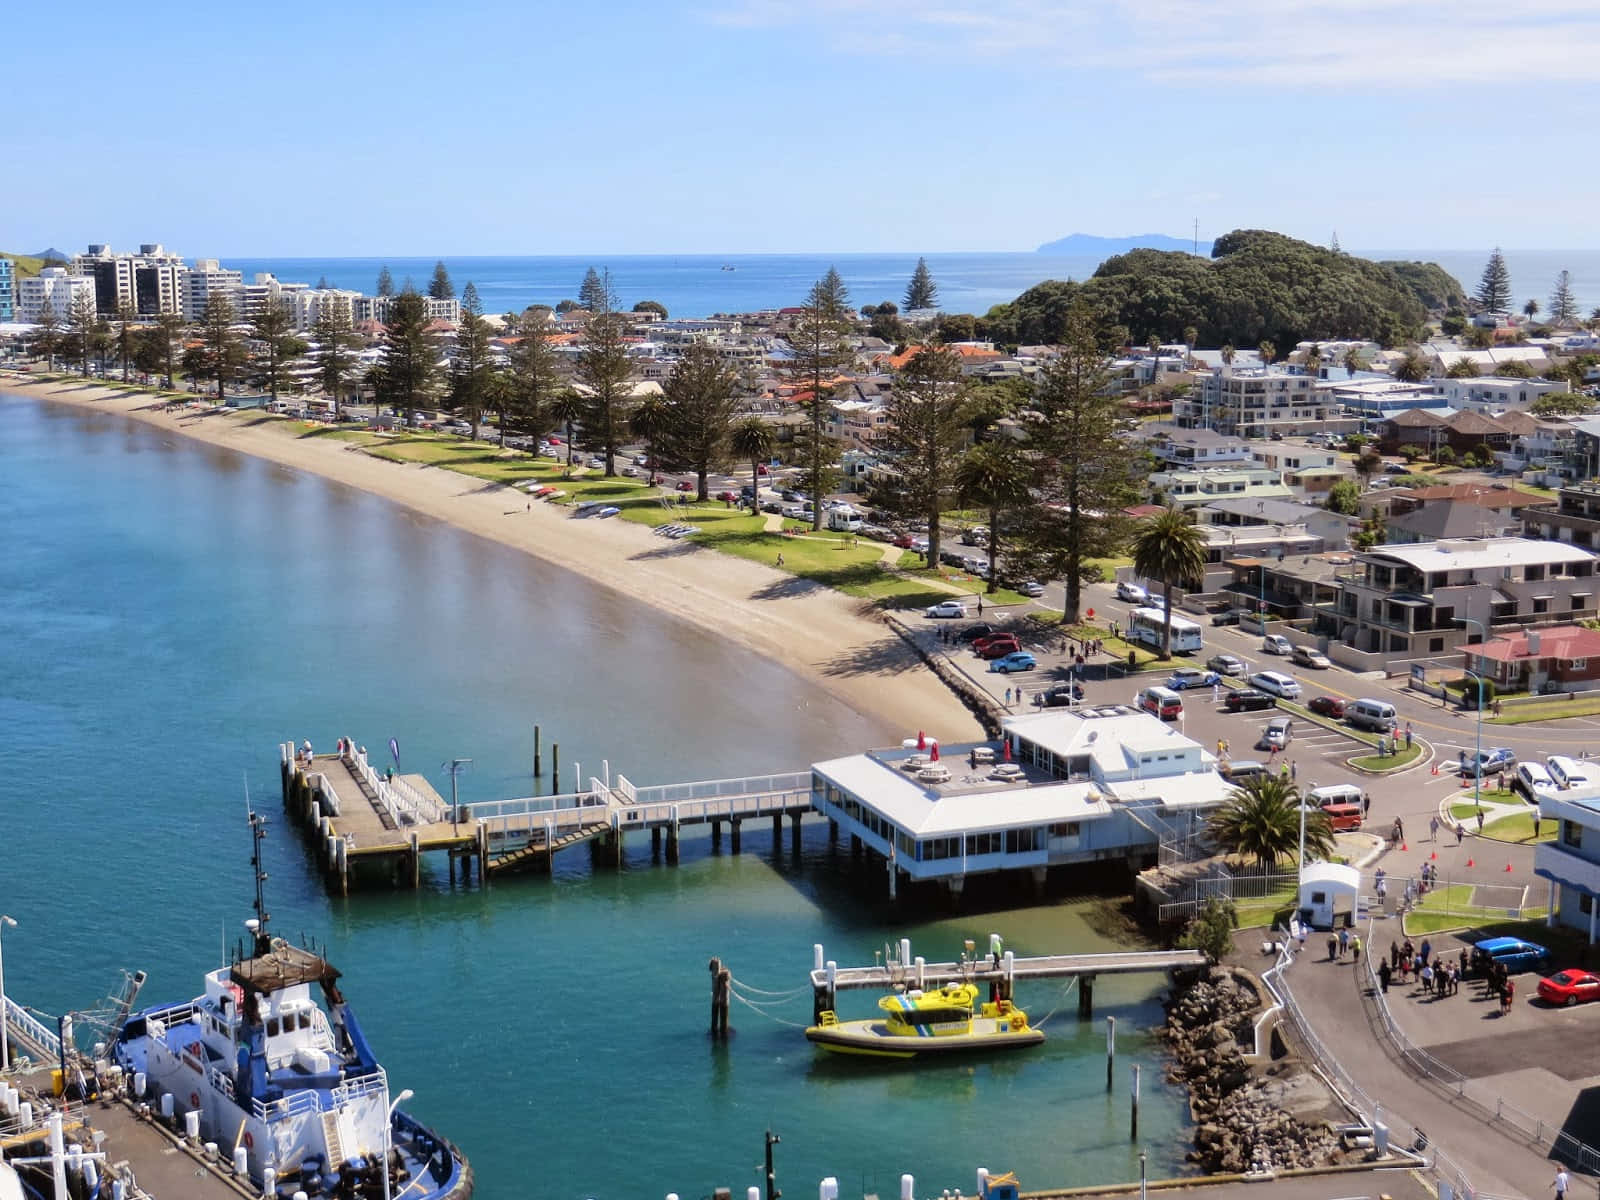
(803, 126)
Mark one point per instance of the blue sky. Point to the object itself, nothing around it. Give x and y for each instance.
(533, 127)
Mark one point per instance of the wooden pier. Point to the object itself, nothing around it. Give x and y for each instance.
(355, 815)
(999, 969)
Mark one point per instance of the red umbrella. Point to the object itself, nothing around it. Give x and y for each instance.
(935, 755)
(922, 740)
(1005, 749)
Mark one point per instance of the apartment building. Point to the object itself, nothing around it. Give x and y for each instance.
(1411, 601)
(251, 299)
(306, 306)
(376, 308)
(1496, 394)
(53, 287)
(1575, 519)
(205, 279)
(8, 290)
(1256, 401)
(149, 282)
(1190, 488)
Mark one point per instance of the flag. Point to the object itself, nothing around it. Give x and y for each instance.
(394, 749)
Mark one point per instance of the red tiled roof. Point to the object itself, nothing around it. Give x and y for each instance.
(1480, 494)
(1559, 641)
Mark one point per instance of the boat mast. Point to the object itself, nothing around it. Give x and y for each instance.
(258, 833)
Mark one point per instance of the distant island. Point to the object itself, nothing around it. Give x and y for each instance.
(1087, 244)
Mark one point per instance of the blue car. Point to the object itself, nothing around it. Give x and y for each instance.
(1017, 660)
(1516, 954)
(1500, 758)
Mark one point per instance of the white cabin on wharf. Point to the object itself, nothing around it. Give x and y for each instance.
(1061, 787)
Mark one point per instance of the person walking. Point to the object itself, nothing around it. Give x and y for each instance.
(1385, 973)
(1333, 947)
(1427, 950)
(1461, 832)
(1344, 942)
(1294, 771)
(1433, 828)
(1480, 822)
(1355, 947)
(1408, 735)
(1426, 977)
(1562, 1183)
(1366, 805)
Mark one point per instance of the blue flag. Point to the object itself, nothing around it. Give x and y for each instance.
(394, 749)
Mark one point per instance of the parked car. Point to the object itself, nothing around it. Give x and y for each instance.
(1189, 677)
(1241, 769)
(979, 642)
(1248, 700)
(1305, 656)
(1532, 781)
(1060, 696)
(902, 540)
(1225, 664)
(1487, 762)
(1228, 616)
(1131, 592)
(1327, 706)
(999, 646)
(1277, 734)
(973, 632)
(1276, 643)
(1566, 771)
(1276, 683)
(1514, 953)
(947, 608)
(1031, 588)
(1569, 987)
(1017, 660)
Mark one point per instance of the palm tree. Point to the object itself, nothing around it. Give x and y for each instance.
(1261, 820)
(1167, 547)
(1352, 360)
(752, 439)
(1268, 352)
(995, 475)
(1314, 360)
(1226, 354)
(1531, 308)
(1412, 367)
(567, 410)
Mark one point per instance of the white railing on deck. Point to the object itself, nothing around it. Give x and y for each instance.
(31, 1028)
(365, 1086)
(677, 793)
(404, 804)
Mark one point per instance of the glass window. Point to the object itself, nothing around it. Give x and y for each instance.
(1571, 834)
(272, 1026)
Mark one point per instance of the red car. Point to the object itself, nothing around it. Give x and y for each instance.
(761, 468)
(685, 485)
(1569, 987)
(983, 639)
(1328, 706)
(999, 647)
(904, 541)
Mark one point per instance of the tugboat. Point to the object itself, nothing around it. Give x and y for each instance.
(928, 1024)
(292, 1083)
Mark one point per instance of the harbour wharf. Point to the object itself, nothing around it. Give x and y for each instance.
(999, 969)
(357, 816)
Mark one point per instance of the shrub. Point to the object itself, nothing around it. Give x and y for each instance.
(1211, 929)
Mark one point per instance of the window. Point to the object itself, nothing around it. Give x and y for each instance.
(1585, 903)
(1572, 834)
(1435, 645)
(1064, 829)
(1541, 604)
(272, 1026)
(1579, 664)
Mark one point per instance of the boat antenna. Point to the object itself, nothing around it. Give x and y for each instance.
(258, 834)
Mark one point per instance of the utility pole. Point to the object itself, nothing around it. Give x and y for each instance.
(455, 766)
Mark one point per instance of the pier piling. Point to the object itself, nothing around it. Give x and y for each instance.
(794, 834)
(1086, 998)
(555, 767)
(655, 843)
(1111, 1049)
(672, 844)
(1133, 1135)
(777, 833)
(733, 835)
(538, 768)
(721, 990)
(716, 837)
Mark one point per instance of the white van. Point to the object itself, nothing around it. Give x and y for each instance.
(1276, 643)
(1375, 715)
(1568, 772)
(1533, 781)
(844, 520)
(1334, 793)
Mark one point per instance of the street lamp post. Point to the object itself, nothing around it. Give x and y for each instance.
(5, 1024)
(388, 1126)
(1477, 760)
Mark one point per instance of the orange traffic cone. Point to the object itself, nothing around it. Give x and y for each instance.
(1402, 845)
(1435, 854)
(1470, 863)
(1508, 867)
(1435, 768)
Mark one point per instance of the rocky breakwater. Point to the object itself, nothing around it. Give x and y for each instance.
(1248, 1116)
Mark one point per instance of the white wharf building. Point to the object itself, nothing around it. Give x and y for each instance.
(1094, 783)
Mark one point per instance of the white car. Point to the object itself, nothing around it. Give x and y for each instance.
(1276, 643)
(947, 608)
(1276, 683)
(1131, 592)
(1032, 588)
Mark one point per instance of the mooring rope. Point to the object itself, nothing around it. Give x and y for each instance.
(1067, 991)
(754, 1007)
(791, 993)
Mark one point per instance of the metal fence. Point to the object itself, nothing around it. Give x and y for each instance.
(1224, 883)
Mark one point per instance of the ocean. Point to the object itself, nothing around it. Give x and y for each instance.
(174, 611)
(698, 285)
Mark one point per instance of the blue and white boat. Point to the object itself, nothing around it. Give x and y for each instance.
(291, 1082)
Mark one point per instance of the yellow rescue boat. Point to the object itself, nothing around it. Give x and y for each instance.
(923, 1024)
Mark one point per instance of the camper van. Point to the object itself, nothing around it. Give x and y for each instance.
(844, 519)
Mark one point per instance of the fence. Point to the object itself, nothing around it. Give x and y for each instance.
(1477, 902)
(1255, 886)
(1493, 1108)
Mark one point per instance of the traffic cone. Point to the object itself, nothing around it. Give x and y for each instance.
(1434, 855)
(1470, 863)
(1435, 768)
(1508, 867)
(1402, 846)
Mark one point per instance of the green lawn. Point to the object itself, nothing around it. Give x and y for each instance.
(1452, 908)
(1274, 908)
(1383, 762)
(1553, 711)
(1519, 828)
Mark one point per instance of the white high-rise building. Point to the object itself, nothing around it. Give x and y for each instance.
(205, 279)
(149, 282)
(308, 306)
(53, 287)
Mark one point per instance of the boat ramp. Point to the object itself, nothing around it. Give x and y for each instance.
(358, 817)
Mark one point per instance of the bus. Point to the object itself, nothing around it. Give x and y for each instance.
(1146, 624)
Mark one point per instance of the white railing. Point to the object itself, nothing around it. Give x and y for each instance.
(404, 804)
(291, 1105)
(367, 1085)
(31, 1028)
(677, 793)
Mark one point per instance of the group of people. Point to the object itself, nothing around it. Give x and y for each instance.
(1439, 977)
(1342, 943)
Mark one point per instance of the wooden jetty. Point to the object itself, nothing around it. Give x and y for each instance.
(356, 815)
(999, 968)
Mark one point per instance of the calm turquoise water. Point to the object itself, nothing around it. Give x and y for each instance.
(172, 611)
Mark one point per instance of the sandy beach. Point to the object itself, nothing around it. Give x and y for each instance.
(829, 638)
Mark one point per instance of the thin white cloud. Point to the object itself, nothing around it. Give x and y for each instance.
(1389, 44)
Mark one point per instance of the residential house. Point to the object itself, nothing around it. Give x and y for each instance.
(1572, 862)
(1495, 394)
(1575, 518)
(1426, 514)
(1374, 399)
(1190, 488)
(1331, 528)
(1193, 447)
(1559, 658)
(1442, 356)
(1293, 586)
(1429, 430)
(1412, 601)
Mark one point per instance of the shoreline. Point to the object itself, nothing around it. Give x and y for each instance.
(826, 638)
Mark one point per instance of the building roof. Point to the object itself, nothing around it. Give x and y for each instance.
(1483, 495)
(1450, 519)
(1416, 418)
(1558, 641)
(1462, 554)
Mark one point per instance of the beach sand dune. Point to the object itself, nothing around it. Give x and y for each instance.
(827, 637)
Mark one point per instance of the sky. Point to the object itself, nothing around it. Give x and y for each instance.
(749, 126)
